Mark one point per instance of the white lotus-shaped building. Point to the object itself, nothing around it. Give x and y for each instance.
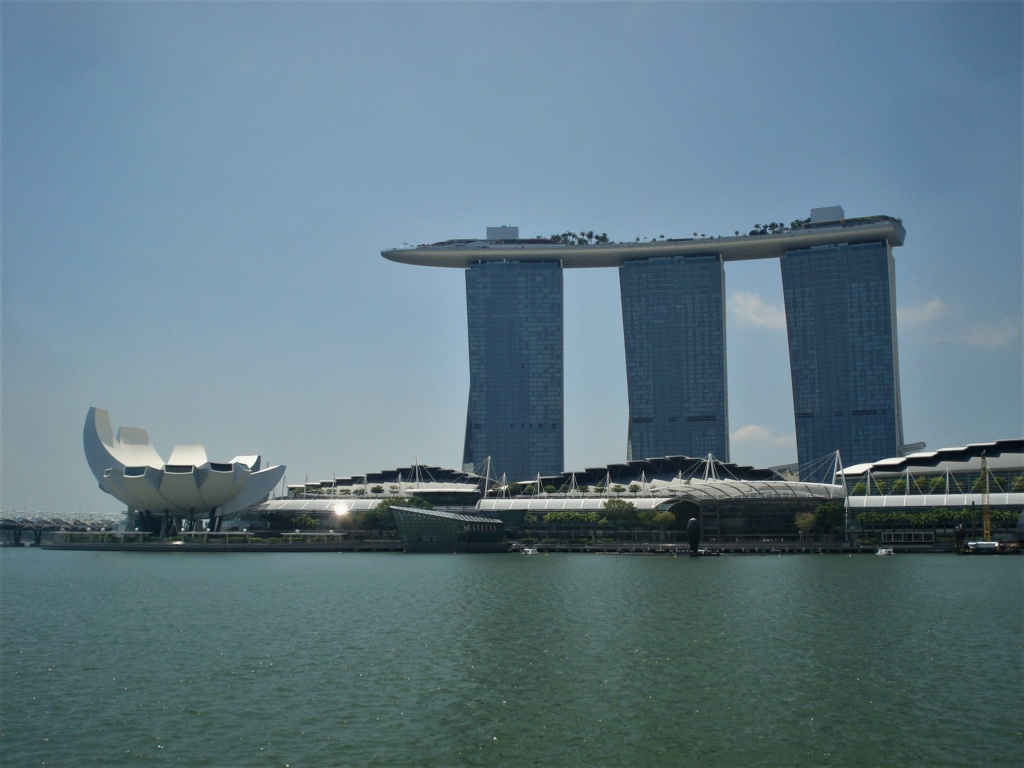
(189, 486)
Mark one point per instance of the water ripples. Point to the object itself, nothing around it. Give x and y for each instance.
(392, 660)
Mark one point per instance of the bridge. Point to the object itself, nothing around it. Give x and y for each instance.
(19, 531)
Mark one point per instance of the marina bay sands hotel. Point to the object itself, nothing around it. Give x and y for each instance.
(839, 292)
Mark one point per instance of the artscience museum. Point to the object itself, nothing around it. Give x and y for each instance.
(177, 494)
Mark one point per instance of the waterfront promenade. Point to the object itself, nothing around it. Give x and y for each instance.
(242, 541)
(227, 541)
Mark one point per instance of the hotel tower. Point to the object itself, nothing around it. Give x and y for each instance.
(839, 289)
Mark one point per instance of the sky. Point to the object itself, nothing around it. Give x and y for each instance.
(195, 197)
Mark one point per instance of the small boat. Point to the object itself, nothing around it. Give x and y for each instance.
(984, 548)
(530, 551)
(885, 551)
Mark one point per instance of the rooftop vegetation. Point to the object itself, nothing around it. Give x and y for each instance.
(589, 237)
(579, 238)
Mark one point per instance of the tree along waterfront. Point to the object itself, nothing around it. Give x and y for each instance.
(939, 519)
(619, 520)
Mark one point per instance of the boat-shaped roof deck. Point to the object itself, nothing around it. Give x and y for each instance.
(460, 254)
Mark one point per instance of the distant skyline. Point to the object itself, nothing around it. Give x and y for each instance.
(195, 197)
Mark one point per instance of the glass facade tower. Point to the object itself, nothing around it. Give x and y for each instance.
(841, 321)
(516, 399)
(673, 321)
(838, 285)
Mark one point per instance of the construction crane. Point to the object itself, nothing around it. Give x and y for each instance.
(986, 514)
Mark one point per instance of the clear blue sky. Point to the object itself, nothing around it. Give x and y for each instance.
(195, 197)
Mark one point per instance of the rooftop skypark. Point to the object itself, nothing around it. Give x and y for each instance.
(587, 250)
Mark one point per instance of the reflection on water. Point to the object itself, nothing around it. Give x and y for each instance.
(435, 660)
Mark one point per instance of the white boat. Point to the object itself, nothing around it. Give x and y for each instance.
(885, 551)
(983, 547)
(530, 551)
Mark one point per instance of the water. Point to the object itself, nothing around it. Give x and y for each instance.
(119, 659)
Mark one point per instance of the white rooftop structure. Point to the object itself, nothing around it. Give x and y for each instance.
(948, 477)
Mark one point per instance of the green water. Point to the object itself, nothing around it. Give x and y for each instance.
(122, 659)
